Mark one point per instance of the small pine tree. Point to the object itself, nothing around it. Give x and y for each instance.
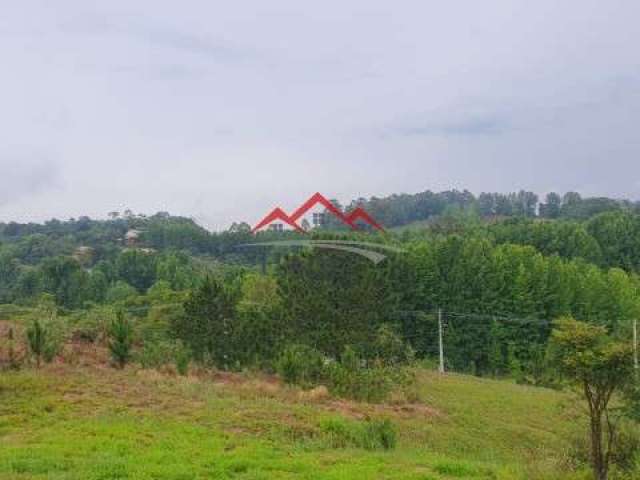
(120, 339)
(37, 335)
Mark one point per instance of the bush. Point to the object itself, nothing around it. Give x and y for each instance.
(121, 339)
(351, 378)
(301, 365)
(389, 349)
(370, 435)
(338, 433)
(156, 325)
(120, 292)
(91, 325)
(626, 455)
(182, 358)
(155, 354)
(11, 356)
(41, 343)
(379, 434)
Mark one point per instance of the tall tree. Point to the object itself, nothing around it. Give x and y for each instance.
(551, 207)
(207, 323)
(599, 367)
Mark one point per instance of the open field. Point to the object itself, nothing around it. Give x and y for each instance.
(89, 421)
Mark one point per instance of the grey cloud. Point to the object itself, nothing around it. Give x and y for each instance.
(221, 108)
(197, 44)
(157, 35)
(24, 176)
(466, 127)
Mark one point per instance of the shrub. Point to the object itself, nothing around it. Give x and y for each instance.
(182, 358)
(121, 339)
(154, 354)
(120, 292)
(300, 365)
(156, 325)
(353, 379)
(389, 349)
(626, 454)
(379, 434)
(91, 325)
(41, 343)
(370, 434)
(14, 356)
(338, 433)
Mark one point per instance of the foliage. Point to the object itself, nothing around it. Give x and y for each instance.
(182, 358)
(91, 325)
(43, 340)
(158, 353)
(352, 378)
(40, 342)
(389, 349)
(137, 268)
(599, 367)
(120, 292)
(370, 434)
(207, 323)
(301, 365)
(120, 339)
(65, 279)
(154, 354)
(331, 299)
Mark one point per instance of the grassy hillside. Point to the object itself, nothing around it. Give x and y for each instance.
(89, 421)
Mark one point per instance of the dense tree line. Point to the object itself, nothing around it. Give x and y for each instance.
(499, 301)
(131, 272)
(397, 210)
(499, 283)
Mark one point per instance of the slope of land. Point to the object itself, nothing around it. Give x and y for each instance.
(84, 420)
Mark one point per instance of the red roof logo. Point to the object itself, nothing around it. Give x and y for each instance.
(292, 220)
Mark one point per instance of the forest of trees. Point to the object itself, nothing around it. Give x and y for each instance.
(500, 281)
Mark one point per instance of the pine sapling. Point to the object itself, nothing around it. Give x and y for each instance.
(120, 339)
(37, 340)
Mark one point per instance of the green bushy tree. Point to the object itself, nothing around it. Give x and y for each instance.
(38, 340)
(599, 367)
(120, 339)
(207, 324)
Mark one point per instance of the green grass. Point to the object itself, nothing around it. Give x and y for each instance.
(72, 422)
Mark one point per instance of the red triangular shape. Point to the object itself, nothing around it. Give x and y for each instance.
(277, 214)
(360, 214)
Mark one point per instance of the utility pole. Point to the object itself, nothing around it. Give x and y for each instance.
(441, 367)
(635, 346)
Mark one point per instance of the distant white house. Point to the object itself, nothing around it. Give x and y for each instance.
(132, 237)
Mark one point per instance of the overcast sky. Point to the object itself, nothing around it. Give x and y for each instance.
(221, 110)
